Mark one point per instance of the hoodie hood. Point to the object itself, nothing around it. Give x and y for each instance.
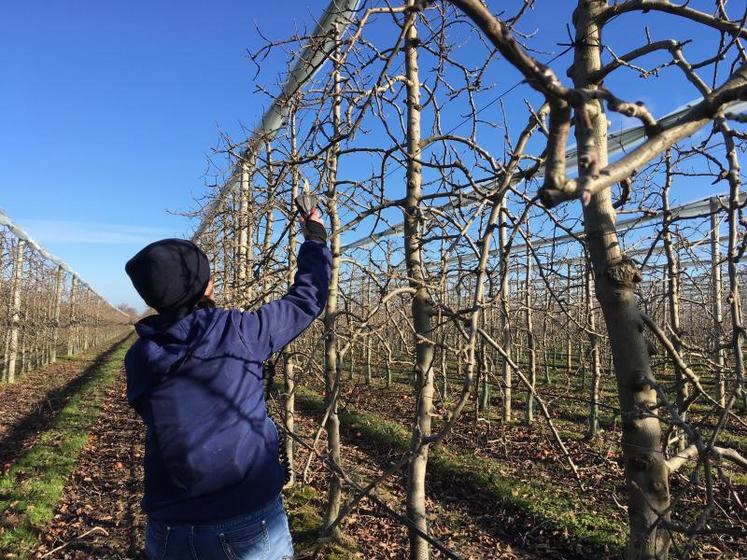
(170, 275)
(162, 348)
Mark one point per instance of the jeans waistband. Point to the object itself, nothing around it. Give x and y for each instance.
(255, 515)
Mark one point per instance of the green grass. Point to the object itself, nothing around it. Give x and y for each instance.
(554, 506)
(29, 492)
(305, 522)
(574, 411)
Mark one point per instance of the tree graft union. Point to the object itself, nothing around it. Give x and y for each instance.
(623, 275)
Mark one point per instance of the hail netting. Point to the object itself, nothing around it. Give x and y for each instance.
(48, 310)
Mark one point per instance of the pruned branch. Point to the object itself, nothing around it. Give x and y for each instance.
(676, 462)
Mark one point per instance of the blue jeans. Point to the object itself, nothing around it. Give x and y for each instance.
(263, 535)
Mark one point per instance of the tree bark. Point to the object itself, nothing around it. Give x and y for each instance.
(421, 301)
(615, 279)
(716, 307)
(531, 350)
(59, 287)
(505, 319)
(289, 377)
(269, 223)
(331, 367)
(569, 338)
(246, 234)
(673, 297)
(72, 326)
(594, 364)
(15, 310)
(738, 335)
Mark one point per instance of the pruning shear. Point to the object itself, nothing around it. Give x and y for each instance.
(306, 204)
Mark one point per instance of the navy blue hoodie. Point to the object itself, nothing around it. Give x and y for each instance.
(210, 453)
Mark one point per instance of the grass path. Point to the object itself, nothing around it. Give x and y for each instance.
(29, 491)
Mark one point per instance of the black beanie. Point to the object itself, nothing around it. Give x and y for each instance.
(170, 275)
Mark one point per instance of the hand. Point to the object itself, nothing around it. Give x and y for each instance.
(312, 227)
(315, 216)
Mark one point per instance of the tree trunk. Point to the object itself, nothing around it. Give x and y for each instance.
(716, 290)
(505, 319)
(532, 354)
(738, 335)
(269, 222)
(569, 338)
(73, 318)
(673, 298)
(289, 378)
(15, 309)
(331, 369)
(421, 301)
(483, 377)
(596, 373)
(367, 336)
(228, 270)
(246, 234)
(615, 279)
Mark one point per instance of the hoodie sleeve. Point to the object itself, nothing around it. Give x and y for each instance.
(275, 324)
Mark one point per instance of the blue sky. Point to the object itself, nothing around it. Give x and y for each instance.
(111, 110)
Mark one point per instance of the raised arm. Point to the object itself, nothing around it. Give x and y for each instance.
(275, 324)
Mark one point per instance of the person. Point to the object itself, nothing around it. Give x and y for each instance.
(213, 477)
